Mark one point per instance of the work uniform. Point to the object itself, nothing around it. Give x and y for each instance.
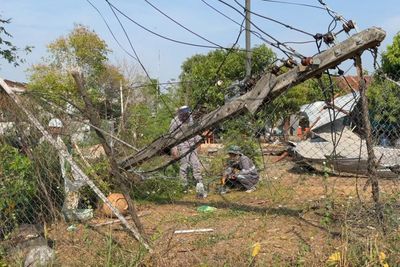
(72, 180)
(246, 176)
(71, 187)
(191, 159)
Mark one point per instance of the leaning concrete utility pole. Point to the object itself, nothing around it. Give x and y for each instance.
(268, 87)
(248, 40)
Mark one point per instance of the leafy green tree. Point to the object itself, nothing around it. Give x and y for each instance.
(384, 101)
(391, 59)
(384, 94)
(150, 113)
(201, 72)
(82, 49)
(8, 51)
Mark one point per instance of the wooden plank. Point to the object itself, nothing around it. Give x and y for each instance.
(268, 87)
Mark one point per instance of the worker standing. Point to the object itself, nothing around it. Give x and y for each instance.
(72, 181)
(191, 159)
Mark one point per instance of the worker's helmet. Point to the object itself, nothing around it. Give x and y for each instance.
(233, 149)
(184, 113)
(56, 123)
(183, 110)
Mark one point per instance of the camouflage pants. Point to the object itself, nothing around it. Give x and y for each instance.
(71, 198)
(191, 160)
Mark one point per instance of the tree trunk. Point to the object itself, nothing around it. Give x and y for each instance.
(94, 118)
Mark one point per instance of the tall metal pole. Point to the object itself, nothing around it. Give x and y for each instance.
(248, 44)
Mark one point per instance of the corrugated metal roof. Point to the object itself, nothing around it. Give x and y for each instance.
(322, 116)
(348, 146)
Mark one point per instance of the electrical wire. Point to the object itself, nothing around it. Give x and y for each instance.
(299, 42)
(133, 49)
(255, 33)
(129, 40)
(112, 7)
(160, 35)
(294, 3)
(335, 15)
(111, 32)
(162, 99)
(219, 12)
(290, 51)
(181, 25)
(274, 20)
(164, 166)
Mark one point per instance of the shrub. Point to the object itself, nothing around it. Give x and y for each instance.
(158, 189)
(17, 189)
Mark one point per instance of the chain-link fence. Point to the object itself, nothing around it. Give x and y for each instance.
(49, 215)
(323, 134)
(330, 131)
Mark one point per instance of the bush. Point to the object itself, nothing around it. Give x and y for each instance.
(17, 189)
(160, 190)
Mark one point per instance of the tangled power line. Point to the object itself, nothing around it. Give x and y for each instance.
(291, 53)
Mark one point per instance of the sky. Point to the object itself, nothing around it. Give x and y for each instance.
(38, 23)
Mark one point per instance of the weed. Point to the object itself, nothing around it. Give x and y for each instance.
(157, 234)
(212, 239)
(159, 190)
(193, 220)
(277, 192)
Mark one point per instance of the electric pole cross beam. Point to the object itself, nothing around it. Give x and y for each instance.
(268, 87)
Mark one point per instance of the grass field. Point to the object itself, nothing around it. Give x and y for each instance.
(297, 219)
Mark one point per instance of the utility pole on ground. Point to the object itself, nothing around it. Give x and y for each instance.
(248, 42)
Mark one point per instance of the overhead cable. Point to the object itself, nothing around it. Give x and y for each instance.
(277, 43)
(163, 36)
(181, 25)
(294, 3)
(111, 32)
(275, 20)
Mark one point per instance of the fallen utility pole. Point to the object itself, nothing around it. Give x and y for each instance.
(268, 87)
(64, 153)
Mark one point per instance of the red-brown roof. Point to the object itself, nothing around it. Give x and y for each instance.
(352, 82)
(16, 86)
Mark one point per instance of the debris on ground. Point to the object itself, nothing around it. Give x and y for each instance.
(206, 208)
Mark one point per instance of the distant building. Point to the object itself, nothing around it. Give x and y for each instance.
(347, 83)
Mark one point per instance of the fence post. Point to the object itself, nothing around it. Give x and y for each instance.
(371, 168)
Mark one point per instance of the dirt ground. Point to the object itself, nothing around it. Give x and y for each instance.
(298, 219)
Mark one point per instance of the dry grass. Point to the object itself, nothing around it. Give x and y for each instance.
(292, 215)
